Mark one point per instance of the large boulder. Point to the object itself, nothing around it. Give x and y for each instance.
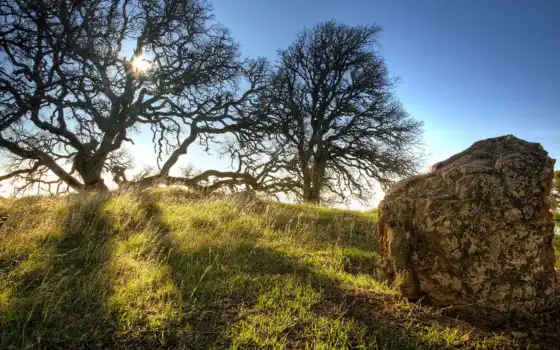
(475, 233)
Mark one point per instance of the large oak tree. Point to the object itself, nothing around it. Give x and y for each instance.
(329, 124)
(75, 83)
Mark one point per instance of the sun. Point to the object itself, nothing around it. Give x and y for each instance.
(139, 64)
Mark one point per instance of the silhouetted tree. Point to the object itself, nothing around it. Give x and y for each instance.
(69, 98)
(329, 123)
(215, 111)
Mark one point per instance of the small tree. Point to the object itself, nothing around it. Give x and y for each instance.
(333, 123)
(69, 97)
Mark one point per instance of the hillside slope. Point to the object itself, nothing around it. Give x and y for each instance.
(167, 269)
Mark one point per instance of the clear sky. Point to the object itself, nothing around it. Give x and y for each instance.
(470, 69)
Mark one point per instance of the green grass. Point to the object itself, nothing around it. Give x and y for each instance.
(170, 269)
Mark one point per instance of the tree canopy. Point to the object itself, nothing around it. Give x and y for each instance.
(333, 123)
(78, 79)
(69, 96)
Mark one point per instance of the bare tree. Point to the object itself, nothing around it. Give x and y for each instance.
(207, 117)
(69, 98)
(333, 123)
(324, 121)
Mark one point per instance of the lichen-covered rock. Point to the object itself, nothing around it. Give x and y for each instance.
(475, 233)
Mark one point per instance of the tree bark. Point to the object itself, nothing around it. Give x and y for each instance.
(90, 170)
(312, 189)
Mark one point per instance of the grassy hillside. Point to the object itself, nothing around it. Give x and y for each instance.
(167, 269)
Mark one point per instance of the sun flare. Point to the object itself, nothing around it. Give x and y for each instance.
(139, 64)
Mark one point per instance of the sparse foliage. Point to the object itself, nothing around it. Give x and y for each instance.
(70, 96)
(333, 124)
(78, 78)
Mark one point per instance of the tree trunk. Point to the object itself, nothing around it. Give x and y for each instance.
(90, 173)
(311, 197)
(312, 189)
(94, 182)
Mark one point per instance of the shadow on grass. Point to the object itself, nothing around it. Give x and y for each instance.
(248, 295)
(116, 277)
(59, 293)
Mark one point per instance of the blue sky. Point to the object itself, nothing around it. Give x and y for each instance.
(470, 69)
